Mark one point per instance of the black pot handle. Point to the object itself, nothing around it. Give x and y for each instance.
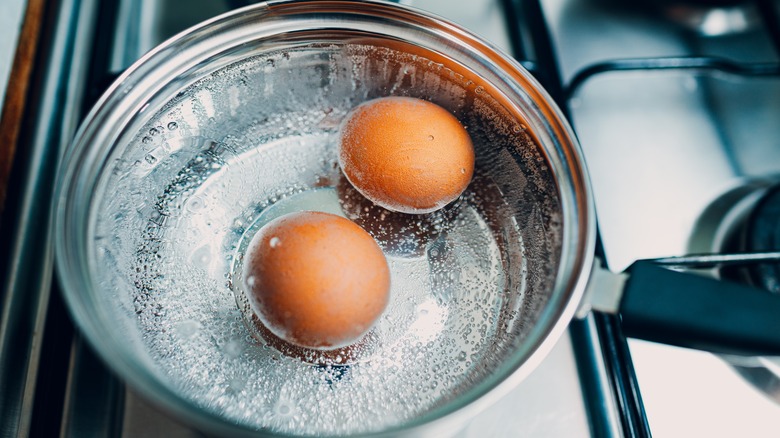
(690, 310)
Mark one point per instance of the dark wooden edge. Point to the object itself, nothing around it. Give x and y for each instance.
(16, 92)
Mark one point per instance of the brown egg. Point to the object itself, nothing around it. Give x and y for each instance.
(405, 154)
(316, 280)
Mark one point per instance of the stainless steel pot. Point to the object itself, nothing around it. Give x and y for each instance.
(232, 123)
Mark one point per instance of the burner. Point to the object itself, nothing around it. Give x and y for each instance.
(719, 229)
(760, 233)
(746, 218)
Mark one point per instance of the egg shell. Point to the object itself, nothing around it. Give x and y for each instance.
(316, 279)
(406, 154)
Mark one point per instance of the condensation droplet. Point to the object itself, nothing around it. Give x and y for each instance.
(173, 125)
(430, 138)
(275, 242)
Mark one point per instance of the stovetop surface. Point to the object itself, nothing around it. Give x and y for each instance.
(661, 147)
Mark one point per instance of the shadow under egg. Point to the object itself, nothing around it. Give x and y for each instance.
(398, 234)
(349, 355)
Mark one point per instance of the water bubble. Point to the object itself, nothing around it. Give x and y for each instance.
(233, 348)
(462, 356)
(430, 138)
(146, 140)
(275, 242)
(237, 383)
(173, 125)
(195, 204)
(187, 328)
(250, 281)
(154, 131)
(202, 256)
(151, 159)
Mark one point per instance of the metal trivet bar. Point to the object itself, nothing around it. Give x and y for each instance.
(704, 63)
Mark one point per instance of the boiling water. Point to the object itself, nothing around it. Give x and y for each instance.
(189, 192)
(446, 298)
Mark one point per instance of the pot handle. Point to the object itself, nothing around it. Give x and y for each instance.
(689, 310)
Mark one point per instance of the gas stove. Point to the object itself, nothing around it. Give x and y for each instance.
(675, 108)
(679, 158)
